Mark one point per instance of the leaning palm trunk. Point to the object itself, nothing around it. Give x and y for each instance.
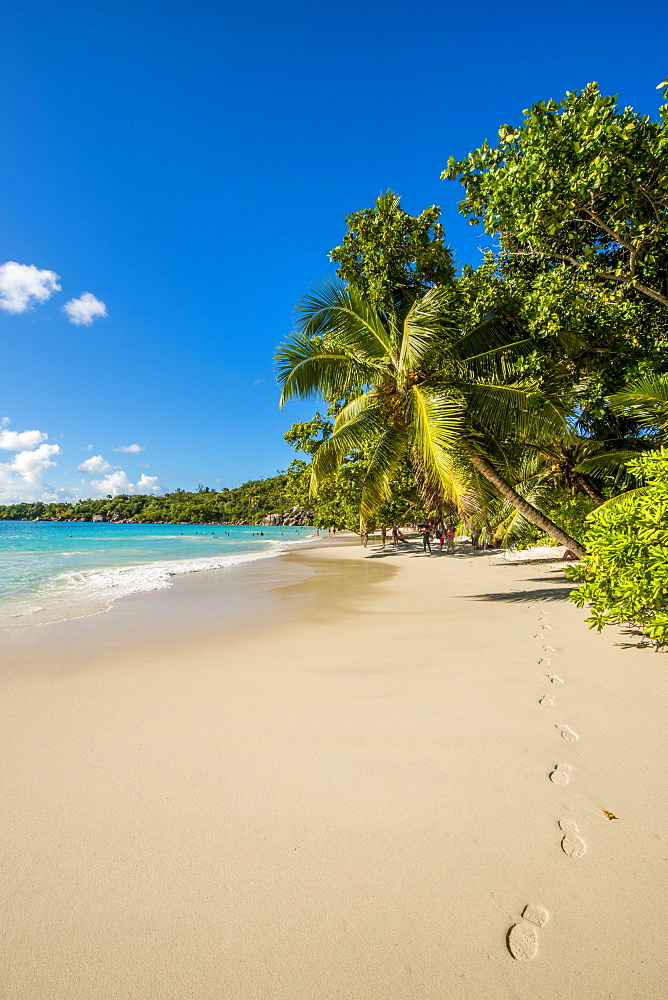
(416, 384)
(589, 488)
(527, 510)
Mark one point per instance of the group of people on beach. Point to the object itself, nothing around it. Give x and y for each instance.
(444, 535)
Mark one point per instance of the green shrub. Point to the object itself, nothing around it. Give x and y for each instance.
(559, 504)
(625, 575)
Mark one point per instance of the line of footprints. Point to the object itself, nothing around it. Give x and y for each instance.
(523, 936)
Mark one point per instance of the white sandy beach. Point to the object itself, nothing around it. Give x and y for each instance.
(343, 793)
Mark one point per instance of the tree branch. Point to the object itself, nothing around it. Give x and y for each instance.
(605, 275)
(606, 229)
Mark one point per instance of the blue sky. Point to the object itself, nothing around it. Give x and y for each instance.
(189, 165)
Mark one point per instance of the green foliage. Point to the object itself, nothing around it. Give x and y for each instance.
(308, 435)
(577, 197)
(418, 387)
(339, 497)
(625, 575)
(569, 510)
(585, 338)
(581, 184)
(646, 400)
(387, 253)
(248, 503)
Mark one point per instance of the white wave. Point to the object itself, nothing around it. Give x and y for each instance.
(122, 581)
(90, 592)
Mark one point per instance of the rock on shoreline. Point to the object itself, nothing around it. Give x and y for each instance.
(296, 517)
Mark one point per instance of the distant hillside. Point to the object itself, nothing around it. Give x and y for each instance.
(248, 503)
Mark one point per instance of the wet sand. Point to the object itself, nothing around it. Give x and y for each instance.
(347, 778)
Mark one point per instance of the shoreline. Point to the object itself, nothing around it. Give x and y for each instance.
(341, 791)
(71, 593)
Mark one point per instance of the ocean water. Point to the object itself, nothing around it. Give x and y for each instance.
(50, 571)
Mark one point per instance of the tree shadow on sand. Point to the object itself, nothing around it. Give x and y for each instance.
(525, 596)
(643, 641)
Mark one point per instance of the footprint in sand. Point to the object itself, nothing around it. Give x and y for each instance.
(546, 700)
(568, 734)
(571, 843)
(561, 774)
(523, 938)
(554, 679)
(545, 662)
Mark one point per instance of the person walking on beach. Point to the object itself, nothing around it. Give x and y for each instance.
(383, 536)
(395, 537)
(441, 538)
(426, 540)
(450, 535)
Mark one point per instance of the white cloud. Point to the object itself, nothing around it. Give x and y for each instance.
(31, 464)
(20, 440)
(84, 310)
(87, 447)
(147, 484)
(22, 478)
(95, 465)
(132, 448)
(23, 285)
(118, 482)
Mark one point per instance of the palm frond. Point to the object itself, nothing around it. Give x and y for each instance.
(356, 433)
(437, 422)
(352, 410)
(489, 334)
(424, 328)
(623, 499)
(344, 316)
(498, 362)
(571, 343)
(609, 462)
(513, 411)
(308, 367)
(385, 459)
(459, 483)
(646, 400)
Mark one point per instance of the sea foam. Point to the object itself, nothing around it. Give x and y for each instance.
(121, 581)
(85, 592)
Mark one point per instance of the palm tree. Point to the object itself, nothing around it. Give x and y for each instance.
(646, 400)
(416, 389)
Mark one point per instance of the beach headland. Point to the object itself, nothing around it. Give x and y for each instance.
(339, 773)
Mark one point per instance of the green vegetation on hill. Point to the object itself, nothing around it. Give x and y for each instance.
(249, 503)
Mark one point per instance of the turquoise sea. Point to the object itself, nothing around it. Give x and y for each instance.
(55, 570)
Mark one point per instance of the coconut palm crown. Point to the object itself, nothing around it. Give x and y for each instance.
(416, 389)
